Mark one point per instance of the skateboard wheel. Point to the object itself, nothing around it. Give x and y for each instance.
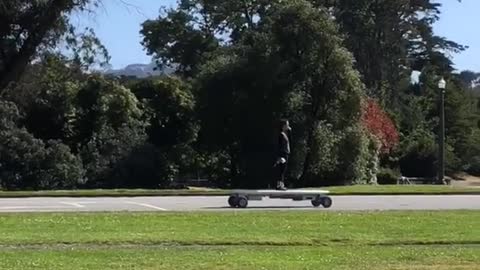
(232, 201)
(316, 203)
(242, 202)
(326, 202)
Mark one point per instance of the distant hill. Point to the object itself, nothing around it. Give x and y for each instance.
(140, 71)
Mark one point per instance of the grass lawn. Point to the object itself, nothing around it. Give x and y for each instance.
(339, 191)
(442, 258)
(245, 240)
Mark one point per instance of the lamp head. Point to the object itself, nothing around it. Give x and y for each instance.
(442, 84)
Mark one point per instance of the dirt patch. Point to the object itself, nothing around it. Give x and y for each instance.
(466, 180)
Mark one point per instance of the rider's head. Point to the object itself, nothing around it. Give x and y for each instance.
(285, 125)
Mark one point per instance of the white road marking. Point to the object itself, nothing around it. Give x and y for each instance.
(148, 206)
(78, 205)
(31, 210)
(13, 207)
(29, 207)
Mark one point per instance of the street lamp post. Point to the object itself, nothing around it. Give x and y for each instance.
(441, 152)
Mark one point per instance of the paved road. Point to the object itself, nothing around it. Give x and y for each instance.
(220, 204)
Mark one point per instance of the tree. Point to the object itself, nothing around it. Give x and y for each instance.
(389, 39)
(27, 27)
(45, 95)
(174, 39)
(101, 104)
(105, 153)
(380, 125)
(189, 35)
(106, 126)
(420, 118)
(278, 70)
(169, 107)
(29, 163)
(469, 78)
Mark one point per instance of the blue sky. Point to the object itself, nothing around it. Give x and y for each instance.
(117, 23)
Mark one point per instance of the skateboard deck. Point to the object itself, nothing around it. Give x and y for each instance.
(268, 192)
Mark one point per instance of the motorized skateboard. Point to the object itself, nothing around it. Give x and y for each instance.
(240, 198)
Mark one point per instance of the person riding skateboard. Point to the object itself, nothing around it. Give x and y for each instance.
(283, 153)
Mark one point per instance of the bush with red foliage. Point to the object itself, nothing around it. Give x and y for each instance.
(380, 125)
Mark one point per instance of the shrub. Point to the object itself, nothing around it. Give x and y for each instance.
(106, 150)
(20, 158)
(339, 157)
(387, 176)
(324, 152)
(60, 169)
(419, 154)
(380, 125)
(474, 166)
(355, 156)
(27, 163)
(144, 167)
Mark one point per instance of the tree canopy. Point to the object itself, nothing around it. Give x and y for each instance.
(339, 70)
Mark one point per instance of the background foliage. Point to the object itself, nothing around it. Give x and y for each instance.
(339, 70)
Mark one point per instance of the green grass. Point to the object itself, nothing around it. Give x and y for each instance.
(242, 240)
(240, 228)
(339, 191)
(275, 258)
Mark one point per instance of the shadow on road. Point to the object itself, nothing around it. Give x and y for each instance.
(260, 207)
